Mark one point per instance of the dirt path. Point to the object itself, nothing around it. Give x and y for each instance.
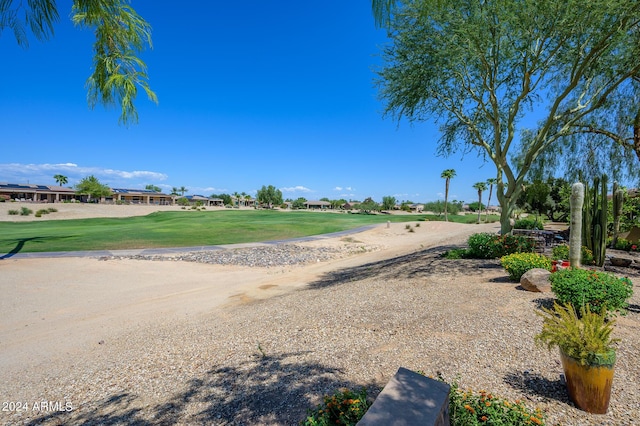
(52, 307)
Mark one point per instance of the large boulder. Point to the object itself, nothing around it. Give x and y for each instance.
(536, 280)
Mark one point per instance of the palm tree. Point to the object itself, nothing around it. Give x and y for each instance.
(490, 182)
(174, 191)
(61, 179)
(447, 175)
(182, 190)
(480, 186)
(236, 196)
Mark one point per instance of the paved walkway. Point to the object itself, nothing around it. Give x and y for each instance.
(170, 250)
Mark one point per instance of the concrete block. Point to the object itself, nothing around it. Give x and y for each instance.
(410, 399)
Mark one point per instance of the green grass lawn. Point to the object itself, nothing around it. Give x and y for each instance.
(182, 229)
(176, 229)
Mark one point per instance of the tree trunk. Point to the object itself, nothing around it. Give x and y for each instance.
(446, 199)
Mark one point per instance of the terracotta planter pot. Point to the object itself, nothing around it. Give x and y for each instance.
(589, 387)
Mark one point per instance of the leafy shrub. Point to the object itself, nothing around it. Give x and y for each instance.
(623, 244)
(516, 244)
(482, 245)
(529, 223)
(597, 290)
(25, 211)
(469, 408)
(457, 253)
(52, 210)
(561, 252)
(41, 212)
(491, 246)
(517, 264)
(344, 407)
(13, 212)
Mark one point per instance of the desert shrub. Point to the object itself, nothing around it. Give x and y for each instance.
(482, 245)
(52, 210)
(597, 290)
(13, 212)
(516, 244)
(529, 223)
(457, 253)
(623, 244)
(42, 211)
(491, 246)
(25, 211)
(561, 252)
(516, 264)
(344, 408)
(481, 408)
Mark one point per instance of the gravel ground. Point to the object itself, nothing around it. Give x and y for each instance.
(268, 361)
(262, 256)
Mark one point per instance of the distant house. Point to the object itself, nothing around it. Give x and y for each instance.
(317, 205)
(350, 205)
(58, 194)
(37, 193)
(243, 201)
(204, 201)
(139, 196)
(418, 208)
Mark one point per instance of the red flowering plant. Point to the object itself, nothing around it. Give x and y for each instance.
(480, 408)
(345, 407)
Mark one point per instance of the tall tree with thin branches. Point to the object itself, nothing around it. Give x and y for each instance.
(121, 36)
(447, 175)
(479, 67)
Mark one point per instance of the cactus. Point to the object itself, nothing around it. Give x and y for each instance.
(618, 201)
(575, 231)
(594, 220)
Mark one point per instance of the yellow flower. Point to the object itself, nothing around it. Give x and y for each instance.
(470, 409)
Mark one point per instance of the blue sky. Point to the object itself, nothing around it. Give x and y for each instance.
(250, 93)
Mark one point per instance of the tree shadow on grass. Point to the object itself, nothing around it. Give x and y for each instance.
(536, 386)
(20, 243)
(420, 264)
(273, 389)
